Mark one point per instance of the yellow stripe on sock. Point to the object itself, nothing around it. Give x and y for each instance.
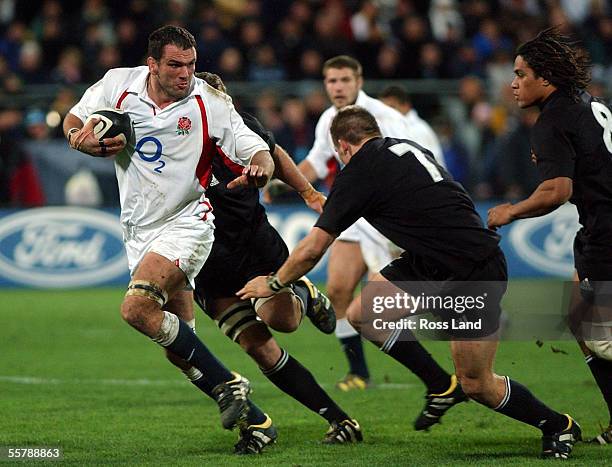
(449, 391)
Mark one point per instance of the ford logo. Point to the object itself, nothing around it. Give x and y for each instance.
(546, 243)
(61, 247)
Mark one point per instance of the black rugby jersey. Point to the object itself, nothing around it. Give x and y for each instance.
(574, 139)
(397, 186)
(237, 211)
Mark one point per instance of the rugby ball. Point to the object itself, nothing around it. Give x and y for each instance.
(113, 122)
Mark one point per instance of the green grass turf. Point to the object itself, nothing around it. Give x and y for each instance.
(73, 375)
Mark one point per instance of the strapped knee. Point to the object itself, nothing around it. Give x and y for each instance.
(147, 289)
(235, 319)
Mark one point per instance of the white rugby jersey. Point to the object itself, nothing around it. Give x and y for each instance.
(391, 122)
(425, 136)
(164, 173)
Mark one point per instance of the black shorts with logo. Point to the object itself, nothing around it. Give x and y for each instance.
(486, 281)
(229, 267)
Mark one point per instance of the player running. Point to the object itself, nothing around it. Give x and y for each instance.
(246, 246)
(572, 146)
(412, 200)
(180, 124)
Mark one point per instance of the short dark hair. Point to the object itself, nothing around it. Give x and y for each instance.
(353, 124)
(165, 35)
(397, 92)
(557, 59)
(343, 61)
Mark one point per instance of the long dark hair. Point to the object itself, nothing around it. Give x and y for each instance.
(557, 59)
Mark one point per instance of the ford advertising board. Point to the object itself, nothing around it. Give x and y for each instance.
(62, 247)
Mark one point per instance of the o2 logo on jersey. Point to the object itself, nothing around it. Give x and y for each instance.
(546, 243)
(149, 149)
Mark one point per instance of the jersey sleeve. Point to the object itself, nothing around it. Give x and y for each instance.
(237, 142)
(255, 125)
(321, 150)
(93, 99)
(554, 152)
(349, 199)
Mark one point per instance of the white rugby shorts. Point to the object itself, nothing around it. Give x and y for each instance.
(376, 249)
(186, 241)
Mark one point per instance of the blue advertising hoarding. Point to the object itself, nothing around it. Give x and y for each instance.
(64, 247)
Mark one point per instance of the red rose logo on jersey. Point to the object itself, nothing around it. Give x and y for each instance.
(183, 126)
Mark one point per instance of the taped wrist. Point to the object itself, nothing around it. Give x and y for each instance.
(274, 283)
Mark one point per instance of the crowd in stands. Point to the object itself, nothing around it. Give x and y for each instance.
(73, 42)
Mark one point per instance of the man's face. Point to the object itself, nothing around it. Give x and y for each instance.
(174, 70)
(342, 86)
(526, 88)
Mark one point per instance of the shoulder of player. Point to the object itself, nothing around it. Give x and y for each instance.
(125, 76)
(378, 108)
(206, 90)
(327, 116)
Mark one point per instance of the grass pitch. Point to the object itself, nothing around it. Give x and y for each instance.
(73, 375)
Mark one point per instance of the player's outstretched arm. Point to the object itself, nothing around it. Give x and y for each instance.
(82, 138)
(257, 173)
(288, 172)
(305, 256)
(547, 197)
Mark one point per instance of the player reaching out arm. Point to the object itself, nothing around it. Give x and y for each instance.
(456, 250)
(572, 148)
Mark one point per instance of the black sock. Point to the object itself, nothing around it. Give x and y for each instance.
(523, 406)
(353, 349)
(191, 349)
(295, 380)
(409, 352)
(303, 293)
(602, 372)
(255, 415)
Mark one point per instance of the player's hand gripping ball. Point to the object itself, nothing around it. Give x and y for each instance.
(106, 133)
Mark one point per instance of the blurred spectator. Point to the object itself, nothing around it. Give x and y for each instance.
(446, 21)
(108, 57)
(19, 183)
(388, 63)
(413, 36)
(265, 67)
(490, 39)
(131, 42)
(469, 114)
(367, 34)
(231, 65)
(330, 38)
(211, 44)
(10, 44)
(36, 125)
(290, 44)
(510, 173)
(311, 64)
(297, 134)
(31, 68)
(431, 63)
(69, 67)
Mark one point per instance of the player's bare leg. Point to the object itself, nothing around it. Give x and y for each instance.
(155, 283)
(474, 366)
(601, 368)
(405, 348)
(345, 269)
(284, 371)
